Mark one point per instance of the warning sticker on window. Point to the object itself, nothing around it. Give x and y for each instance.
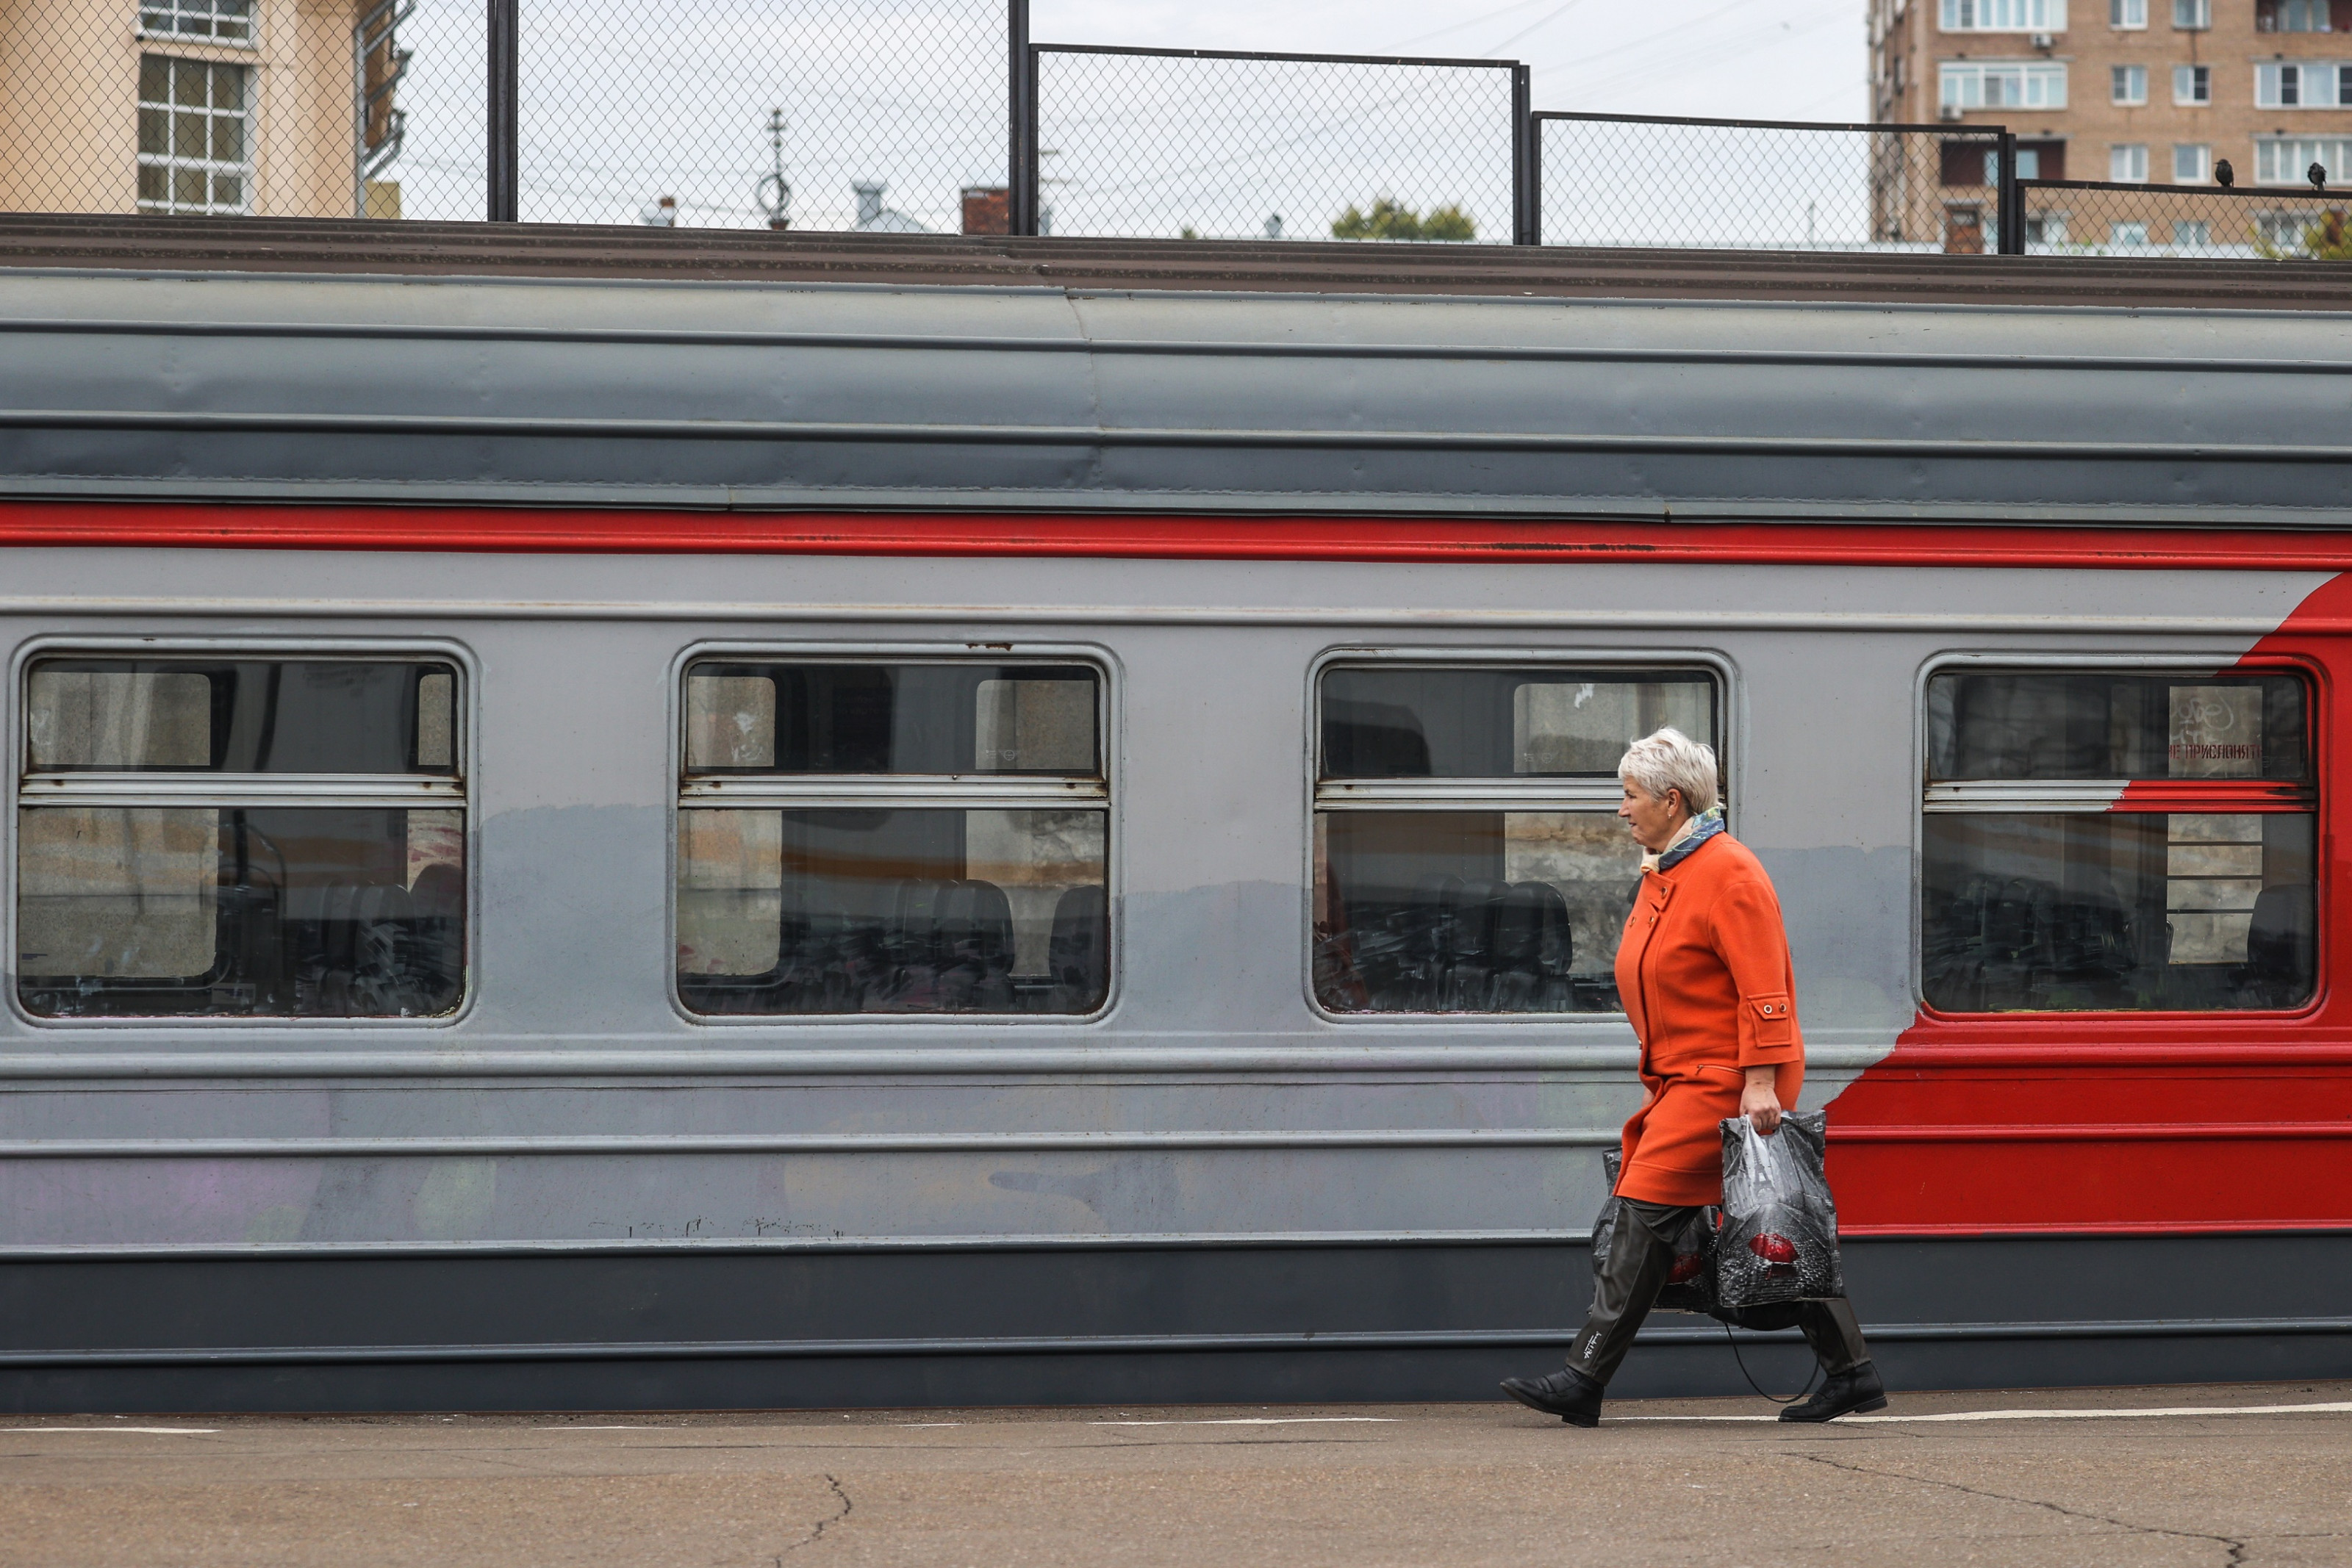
(2217, 732)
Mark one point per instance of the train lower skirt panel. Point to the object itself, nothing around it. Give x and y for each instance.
(1096, 1325)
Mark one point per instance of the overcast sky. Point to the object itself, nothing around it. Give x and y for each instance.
(1759, 59)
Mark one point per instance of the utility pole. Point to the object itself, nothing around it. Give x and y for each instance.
(775, 194)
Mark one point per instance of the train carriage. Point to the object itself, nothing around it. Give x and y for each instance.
(614, 820)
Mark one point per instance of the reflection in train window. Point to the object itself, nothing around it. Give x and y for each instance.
(1467, 854)
(2008, 724)
(2118, 842)
(893, 838)
(1459, 723)
(240, 837)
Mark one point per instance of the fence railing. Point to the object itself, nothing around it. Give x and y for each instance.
(904, 116)
(2098, 217)
(1230, 144)
(1667, 181)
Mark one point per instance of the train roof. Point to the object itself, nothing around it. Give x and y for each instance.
(470, 363)
(1285, 266)
(1271, 267)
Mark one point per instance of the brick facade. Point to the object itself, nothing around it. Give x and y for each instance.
(2147, 128)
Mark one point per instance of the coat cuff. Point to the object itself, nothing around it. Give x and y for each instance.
(1767, 1030)
(1770, 1055)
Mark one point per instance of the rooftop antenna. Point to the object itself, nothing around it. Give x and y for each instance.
(775, 194)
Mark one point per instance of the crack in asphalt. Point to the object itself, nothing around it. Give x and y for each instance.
(2237, 1547)
(822, 1524)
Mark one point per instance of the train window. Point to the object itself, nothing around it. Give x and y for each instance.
(2130, 841)
(913, 837)
(1467, 855)
(240, 837)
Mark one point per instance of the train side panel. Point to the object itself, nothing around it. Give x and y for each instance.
(576, 1194)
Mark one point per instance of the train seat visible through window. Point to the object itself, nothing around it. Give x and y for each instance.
(940, 812)
(226, 835)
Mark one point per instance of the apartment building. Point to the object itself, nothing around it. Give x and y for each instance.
(2147, 92)
(277, 107)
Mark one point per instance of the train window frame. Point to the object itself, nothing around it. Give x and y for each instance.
(1728, 740)
(1110, 678)
(2031, 662)
(464, 731)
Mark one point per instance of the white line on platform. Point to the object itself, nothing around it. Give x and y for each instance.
(165, 1431)
(2338, 1408)
(568, 1428)
(1261, 1421)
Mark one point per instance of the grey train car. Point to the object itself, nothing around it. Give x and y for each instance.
(607, 821)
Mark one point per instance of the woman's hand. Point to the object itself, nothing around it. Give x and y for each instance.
(1759, 1103)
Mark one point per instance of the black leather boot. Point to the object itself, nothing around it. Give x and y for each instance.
(1841, 1394)
(1566, 1394)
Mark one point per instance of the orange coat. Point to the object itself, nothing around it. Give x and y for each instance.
(1705, 975)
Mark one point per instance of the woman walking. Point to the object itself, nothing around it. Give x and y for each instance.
(1703, 972)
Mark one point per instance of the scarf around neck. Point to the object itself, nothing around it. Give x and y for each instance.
(1695, 832)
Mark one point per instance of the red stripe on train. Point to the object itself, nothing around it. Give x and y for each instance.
(1162, 537)
(2125, 1122)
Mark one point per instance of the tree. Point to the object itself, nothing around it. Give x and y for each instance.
(1448, 222)
(2323, 240)
(1391, 219)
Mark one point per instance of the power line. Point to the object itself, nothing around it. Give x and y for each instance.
(1730, 47)
(1654, 39)
(1460, 27)
(1548, 19)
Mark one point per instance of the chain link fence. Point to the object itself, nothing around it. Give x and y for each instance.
(1212, 145)
(941, 116)
(812, 114)
(839, 114)
(2082, 217)
(1653, 181)
(284, 108)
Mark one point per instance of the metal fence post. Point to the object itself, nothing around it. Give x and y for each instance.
(2010, 209)
(1020, 121)
(503, 160)
(1527, 184)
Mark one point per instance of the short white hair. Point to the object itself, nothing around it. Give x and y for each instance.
(1673, 760)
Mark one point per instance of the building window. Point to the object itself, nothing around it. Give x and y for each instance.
(1467, 854)
(2192, 83)
(2028, 165)
(2112, 841)
(2286, 160)
(2193, 163)
(2017, 84)
(240, 836)
(195, 142)
(2302, 85)
(2127, 235)
(2003, 16)
(2128, 84)
(2293, 16)
(2128, 163)
(2192, 234)
(2127, 14)
(2045, 229)
(2192, 15)
(914, 837)
(222, 21)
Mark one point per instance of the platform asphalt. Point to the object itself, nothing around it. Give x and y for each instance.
(2250, 1474)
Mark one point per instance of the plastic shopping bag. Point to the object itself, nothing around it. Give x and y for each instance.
(1779, 1241)
(1612, 1210)
(1690, 1284)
